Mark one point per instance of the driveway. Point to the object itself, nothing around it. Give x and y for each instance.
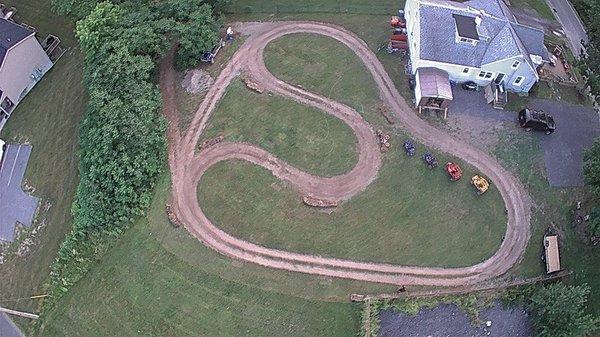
(572, 25)
(576, 128)
(15, 205)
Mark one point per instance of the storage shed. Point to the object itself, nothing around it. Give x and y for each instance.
(552, 254)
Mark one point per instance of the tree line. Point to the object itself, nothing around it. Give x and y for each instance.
(122, 141)
(589, 66)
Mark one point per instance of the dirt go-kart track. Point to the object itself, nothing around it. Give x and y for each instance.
(187, 166)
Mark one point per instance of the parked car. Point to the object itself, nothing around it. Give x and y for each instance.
(536, 120)
(471, 86)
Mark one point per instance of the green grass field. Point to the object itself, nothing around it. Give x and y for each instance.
(139, 289)
(160, 281)
(48, 119)
(407, 208)
(306, 137)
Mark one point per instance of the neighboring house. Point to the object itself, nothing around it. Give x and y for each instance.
(23, 62)
(477, 40)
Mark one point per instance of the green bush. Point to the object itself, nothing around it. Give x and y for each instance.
(559, 311)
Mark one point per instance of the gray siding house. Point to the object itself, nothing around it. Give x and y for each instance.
(476, 40)
(23, 62)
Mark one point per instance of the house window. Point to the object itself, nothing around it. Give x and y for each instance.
(518, 80)
(516, 64)
(485, 74)
(465, 70)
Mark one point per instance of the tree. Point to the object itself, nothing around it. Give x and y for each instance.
(593, 223)
(591, 167)
(559, 311)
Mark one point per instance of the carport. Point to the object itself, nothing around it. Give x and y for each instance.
(433, 90)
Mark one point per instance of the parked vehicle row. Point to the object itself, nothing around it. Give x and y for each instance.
(453, 170)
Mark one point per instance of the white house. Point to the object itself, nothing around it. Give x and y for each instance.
(23, 62)
(476, 40)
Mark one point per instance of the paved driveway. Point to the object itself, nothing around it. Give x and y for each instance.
(576, 128)
(15, 205)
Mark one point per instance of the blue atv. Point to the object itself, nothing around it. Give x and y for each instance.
(430, 160)
(409, 147)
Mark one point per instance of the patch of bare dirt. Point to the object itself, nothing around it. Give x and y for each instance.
(196, 81)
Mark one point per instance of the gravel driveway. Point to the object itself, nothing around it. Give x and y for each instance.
(449, 320)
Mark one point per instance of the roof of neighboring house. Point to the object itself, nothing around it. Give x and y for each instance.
(500, 36)
(11, 34)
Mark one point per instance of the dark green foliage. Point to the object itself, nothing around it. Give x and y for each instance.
(122, 135)
(591, 167)
(589, 10)
(591, 171)
(593, 223)
(559, 311)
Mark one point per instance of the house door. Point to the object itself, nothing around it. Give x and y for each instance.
(499, 78)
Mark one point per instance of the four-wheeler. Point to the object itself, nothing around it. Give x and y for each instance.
(430, 160)
(209, 56)
(536, 120)
(409, 147)
(480, 183)
(453, 171)
(470, 86)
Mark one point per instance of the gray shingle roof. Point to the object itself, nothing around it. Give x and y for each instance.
(533, 40)
(11, 34)
(503, 34)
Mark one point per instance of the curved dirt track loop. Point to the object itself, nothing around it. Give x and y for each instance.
(187, 167)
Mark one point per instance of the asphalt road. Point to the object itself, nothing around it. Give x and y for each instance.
(15, 205)
(8, 328)
(572, 25)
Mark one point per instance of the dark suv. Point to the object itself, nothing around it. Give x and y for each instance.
(536, 120)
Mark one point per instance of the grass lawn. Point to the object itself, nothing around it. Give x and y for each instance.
(140, 289)
(407, 208)
(304, 136)
(47, 118)
(160, 281)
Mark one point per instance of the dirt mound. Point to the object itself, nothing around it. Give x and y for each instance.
(196, 81)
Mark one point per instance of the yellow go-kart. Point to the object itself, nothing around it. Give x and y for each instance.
(480, 183)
